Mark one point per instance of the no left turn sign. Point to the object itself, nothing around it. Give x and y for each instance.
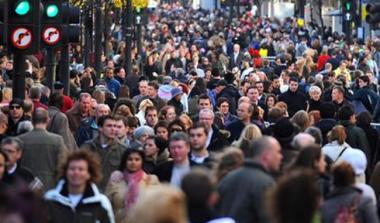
(51, 35)
(21, 38)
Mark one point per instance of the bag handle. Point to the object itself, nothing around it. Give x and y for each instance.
(340, 154)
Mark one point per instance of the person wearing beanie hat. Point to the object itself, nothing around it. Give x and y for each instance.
(176, 100)
(164, 92)
(140, 135)
(16, 115)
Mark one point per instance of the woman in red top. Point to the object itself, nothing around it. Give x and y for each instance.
(323, 58)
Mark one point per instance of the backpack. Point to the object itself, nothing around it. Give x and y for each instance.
(348, 214)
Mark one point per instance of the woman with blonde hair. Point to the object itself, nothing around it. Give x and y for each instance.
(160, 204)
(141, 114)
(301, 120)
(249, 133)
(7, 97)
(337, 143)
(186, 120)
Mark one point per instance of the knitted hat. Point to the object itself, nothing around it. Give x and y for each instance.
(143, 130)
(164, 92)
(17, 101)
(176, 91)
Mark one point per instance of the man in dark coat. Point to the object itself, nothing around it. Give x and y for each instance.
(366, 95)
(327, 121)
(242, 192)
(244, 113)
(172, 171)
(215, 141)
(355, 136)
(295, 99)
(16, 116)
(229, 91)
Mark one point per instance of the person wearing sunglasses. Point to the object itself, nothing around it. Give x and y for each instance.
(16, 116)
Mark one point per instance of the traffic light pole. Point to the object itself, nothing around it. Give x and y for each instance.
(18, 86)
(128, 39)
(64, 66)
(50, 67)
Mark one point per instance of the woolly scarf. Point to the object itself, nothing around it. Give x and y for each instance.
(133, 180)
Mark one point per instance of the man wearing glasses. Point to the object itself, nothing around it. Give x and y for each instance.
(16, 115)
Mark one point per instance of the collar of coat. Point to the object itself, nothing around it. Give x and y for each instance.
(342, 191)
(61, 195)
(255, 165)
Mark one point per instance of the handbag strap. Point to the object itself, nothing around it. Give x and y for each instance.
(340, 154)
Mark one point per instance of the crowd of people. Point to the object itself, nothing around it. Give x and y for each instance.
(253, 120)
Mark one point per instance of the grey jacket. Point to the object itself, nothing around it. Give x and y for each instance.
(41, 153)
(242, 193)
(366, 210)
(59, 124)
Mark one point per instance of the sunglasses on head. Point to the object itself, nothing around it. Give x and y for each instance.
(14, 107)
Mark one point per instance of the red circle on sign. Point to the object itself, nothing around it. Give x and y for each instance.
(51, 35)
(17, 43)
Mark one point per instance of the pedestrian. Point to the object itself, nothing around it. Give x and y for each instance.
(127, 183)
(76, 197)
(41, 145)
(244, 201)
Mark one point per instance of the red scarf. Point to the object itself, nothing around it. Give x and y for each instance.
(133, 180)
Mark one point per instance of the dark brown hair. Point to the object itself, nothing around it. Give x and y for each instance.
(93, 162)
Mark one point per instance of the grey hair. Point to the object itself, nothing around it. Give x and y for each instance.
(207, 110)
(301, 140)
(315, 88)
(13, 140)
(180, 136)
(24, 127)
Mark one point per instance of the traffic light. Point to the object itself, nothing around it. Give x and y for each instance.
(51, 30)
(70, 21)
(348, 10)
(23, 26)
(373, 17)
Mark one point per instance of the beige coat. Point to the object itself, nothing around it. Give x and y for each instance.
(117, 188)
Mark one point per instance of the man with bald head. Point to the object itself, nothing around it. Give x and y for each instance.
(244, 201)
(244, 113)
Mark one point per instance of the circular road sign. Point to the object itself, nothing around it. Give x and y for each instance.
(21, 38)
(51, 35)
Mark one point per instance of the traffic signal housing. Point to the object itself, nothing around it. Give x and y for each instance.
(23, 25)
(52, 18)
(71, 23)
(373, 17)
(348, 10)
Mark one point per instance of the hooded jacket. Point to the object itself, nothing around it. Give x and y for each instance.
(93, 206)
